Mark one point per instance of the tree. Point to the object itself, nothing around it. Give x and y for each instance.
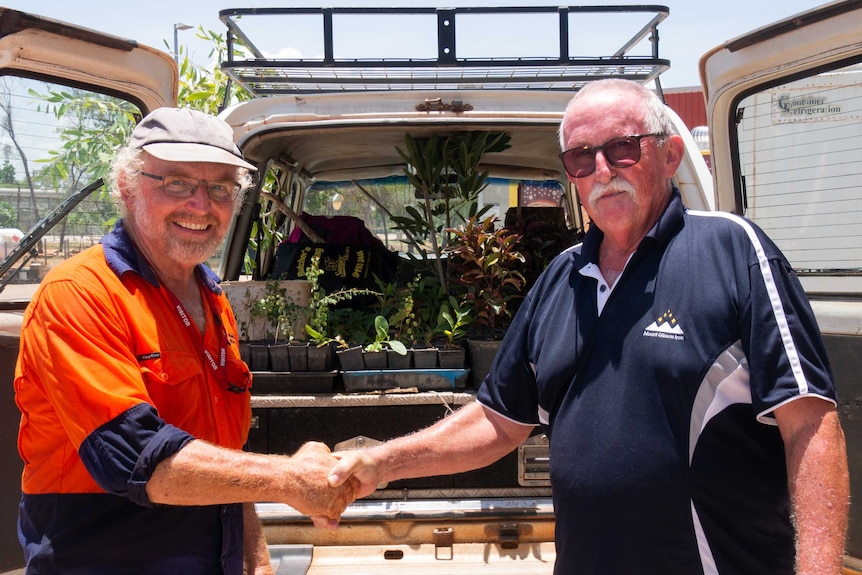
(7, 215)
(206, 88)
(95, 126)
(8, 125)
(7, 173)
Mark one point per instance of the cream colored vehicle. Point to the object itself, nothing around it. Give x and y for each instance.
(784, 105)
(325, 132)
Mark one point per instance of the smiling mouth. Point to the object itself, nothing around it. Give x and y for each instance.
(192, 226)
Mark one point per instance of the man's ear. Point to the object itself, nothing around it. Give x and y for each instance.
(674, 151)
(124, 187)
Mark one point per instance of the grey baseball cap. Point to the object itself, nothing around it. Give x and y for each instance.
(183, 135)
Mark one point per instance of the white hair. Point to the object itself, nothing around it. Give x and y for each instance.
(655, 116)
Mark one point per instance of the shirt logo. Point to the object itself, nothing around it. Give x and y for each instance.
(666, 326)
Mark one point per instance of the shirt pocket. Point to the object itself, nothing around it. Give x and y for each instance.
(174, 382)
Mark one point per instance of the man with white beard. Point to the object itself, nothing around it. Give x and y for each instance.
(135, 402)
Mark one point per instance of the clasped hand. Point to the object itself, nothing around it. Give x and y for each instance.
(332, 481)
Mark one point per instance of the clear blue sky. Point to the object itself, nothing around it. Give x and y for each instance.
(693, 27)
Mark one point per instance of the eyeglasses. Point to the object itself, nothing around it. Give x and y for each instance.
(622, 152)
(184, 187)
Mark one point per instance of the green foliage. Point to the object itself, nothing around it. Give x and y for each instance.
(321, 321)
(484, 262)
(411, 309)
(96, 126)
(268, 229)
(280, 311)
(204, 88)
(405, 321)
(453, 321)
(7, 215)
(382, 339)
(445, 174)
(7, 173)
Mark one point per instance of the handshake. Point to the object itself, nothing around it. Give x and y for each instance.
(471, 438)
(323, 483)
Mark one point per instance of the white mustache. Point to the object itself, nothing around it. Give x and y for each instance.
(615, 185)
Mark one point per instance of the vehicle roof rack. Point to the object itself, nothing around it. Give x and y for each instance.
(264, 76)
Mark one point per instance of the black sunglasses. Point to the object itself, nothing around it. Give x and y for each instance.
(622, 152)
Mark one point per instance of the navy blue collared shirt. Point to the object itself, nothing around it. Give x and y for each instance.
(665, 455)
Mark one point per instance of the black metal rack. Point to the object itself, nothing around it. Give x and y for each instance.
(263, 76)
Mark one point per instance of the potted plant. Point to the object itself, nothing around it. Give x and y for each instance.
(374, 354)
(319, 324)
(453, 321)
(266, 353)
(267, 312)
(282, 314)
(484, 266)
(416, 321)
(444, 172)
(398, 305)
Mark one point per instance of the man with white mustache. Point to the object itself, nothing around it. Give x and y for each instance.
(677, 368)
(135, 402)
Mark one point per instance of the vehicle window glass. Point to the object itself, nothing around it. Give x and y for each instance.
(376, 201)
(799, 149)
(55, 141)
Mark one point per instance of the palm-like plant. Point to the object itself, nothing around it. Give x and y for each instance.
(444, 171)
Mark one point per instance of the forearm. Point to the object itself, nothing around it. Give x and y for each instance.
(204, 474)
(469, 439)
(819, 486)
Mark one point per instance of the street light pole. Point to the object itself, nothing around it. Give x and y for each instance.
(178, 26)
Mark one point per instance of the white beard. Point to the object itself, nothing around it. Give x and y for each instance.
(159, 233)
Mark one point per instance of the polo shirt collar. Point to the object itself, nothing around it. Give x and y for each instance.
(669, 221)
(122, 256)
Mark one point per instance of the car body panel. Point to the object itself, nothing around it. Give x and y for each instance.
(34, 46)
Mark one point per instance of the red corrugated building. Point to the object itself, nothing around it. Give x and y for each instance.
(689, 104)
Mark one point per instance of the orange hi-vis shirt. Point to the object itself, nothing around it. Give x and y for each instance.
(110, 381)
(93, 346)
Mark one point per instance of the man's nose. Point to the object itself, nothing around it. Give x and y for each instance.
(604, 170)
(201, 194)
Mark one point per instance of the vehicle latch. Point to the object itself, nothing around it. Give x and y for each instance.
(444, 538)
(510, 535)
(438, 105)
(534, 458)
(358, 442)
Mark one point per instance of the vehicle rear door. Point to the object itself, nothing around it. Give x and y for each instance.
(784, 104)
(51, 72)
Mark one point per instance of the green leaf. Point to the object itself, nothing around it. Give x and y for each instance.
(398, 347)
